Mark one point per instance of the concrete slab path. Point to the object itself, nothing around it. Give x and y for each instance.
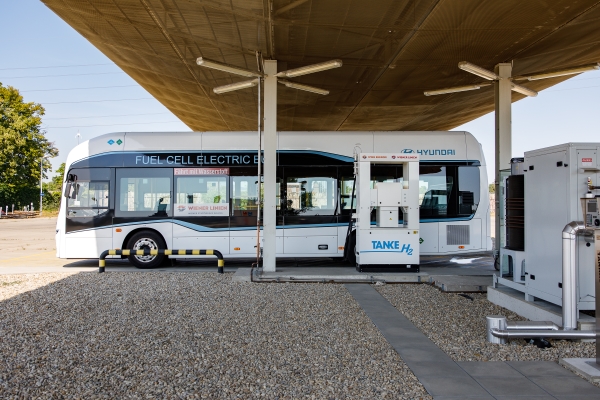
(443, 378)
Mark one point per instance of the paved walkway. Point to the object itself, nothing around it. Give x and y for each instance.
(444, 378)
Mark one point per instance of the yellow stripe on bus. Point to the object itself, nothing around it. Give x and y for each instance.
(181, 252)
(209, 252)
(168, 252)
(101, 263)
(125, 252)
(112, 252)
(221, 263)
(196, 252)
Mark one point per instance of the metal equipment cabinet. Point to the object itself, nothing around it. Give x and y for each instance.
(555, 181)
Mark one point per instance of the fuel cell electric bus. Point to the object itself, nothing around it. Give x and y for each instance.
(198, 190)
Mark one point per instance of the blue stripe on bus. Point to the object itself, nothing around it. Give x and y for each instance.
(200, 228)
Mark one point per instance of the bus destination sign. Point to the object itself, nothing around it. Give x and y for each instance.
(196, 159)
(201, 171)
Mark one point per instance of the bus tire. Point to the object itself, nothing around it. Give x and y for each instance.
(146, 240)
(352, 249)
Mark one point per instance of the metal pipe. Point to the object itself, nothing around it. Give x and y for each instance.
(258, 179)
(552, 334)
(41, 186)
(569, 274)
(526, 329)
(497, 322)
(531, 325)
(318, 280)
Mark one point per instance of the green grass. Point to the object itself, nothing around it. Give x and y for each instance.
(3, 284)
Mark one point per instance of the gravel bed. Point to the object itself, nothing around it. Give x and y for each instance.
(458, 326)
(190, 335)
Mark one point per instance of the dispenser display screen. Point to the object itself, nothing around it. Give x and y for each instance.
(592, 219)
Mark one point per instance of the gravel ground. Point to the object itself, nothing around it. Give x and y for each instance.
(190, 335)
(458, 326)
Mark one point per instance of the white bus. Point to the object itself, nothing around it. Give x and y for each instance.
(198, 190)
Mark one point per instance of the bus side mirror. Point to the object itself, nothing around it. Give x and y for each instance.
(72, 190)
(68, 188)
(72, 187)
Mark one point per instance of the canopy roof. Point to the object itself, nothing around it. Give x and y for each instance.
(392, 51)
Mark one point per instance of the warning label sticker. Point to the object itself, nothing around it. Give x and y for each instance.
(586, 162)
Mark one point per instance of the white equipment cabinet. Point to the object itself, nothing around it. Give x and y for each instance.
(388, 245)
(556, 178)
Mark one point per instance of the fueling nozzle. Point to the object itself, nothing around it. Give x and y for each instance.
(591, 186)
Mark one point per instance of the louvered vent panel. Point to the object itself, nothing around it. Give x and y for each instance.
(457, 235)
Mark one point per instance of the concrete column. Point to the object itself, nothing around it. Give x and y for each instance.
(502, 89)
(270, 167)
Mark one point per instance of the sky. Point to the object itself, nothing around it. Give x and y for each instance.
(84, 92)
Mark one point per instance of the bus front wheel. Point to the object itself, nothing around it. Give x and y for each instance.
(146, 240)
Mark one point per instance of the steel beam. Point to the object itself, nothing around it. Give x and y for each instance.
(502, 88)
(270, 167)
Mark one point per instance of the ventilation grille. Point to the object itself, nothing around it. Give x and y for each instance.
(457, 235)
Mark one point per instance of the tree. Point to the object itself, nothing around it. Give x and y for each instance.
(55, 184)
(22, 141)
(22, 146)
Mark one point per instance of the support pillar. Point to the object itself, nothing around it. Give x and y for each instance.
(502, 93)
(270, 167)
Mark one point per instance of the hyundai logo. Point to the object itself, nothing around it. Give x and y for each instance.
(407, 151)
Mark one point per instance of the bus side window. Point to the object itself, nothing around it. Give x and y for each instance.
(244, 195)
(87, 199)
(201, 189)
(143, 193)
(346, 199)
(311, 195)
(468, 190)
(201, 196)
(435, 186)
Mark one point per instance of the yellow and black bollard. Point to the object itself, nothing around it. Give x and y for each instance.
(155, 252)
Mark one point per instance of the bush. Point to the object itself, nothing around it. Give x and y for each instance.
(24, 196)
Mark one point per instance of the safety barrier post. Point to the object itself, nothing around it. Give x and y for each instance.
(157, 252)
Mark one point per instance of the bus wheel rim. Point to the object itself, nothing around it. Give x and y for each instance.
(145, 243)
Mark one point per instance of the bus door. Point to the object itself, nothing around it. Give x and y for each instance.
(311, 205)
(201, 209)
(244, 208)
(89, 212)
(143, 201)
(244, 205)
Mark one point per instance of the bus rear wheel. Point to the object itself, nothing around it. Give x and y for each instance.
(146, 240)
